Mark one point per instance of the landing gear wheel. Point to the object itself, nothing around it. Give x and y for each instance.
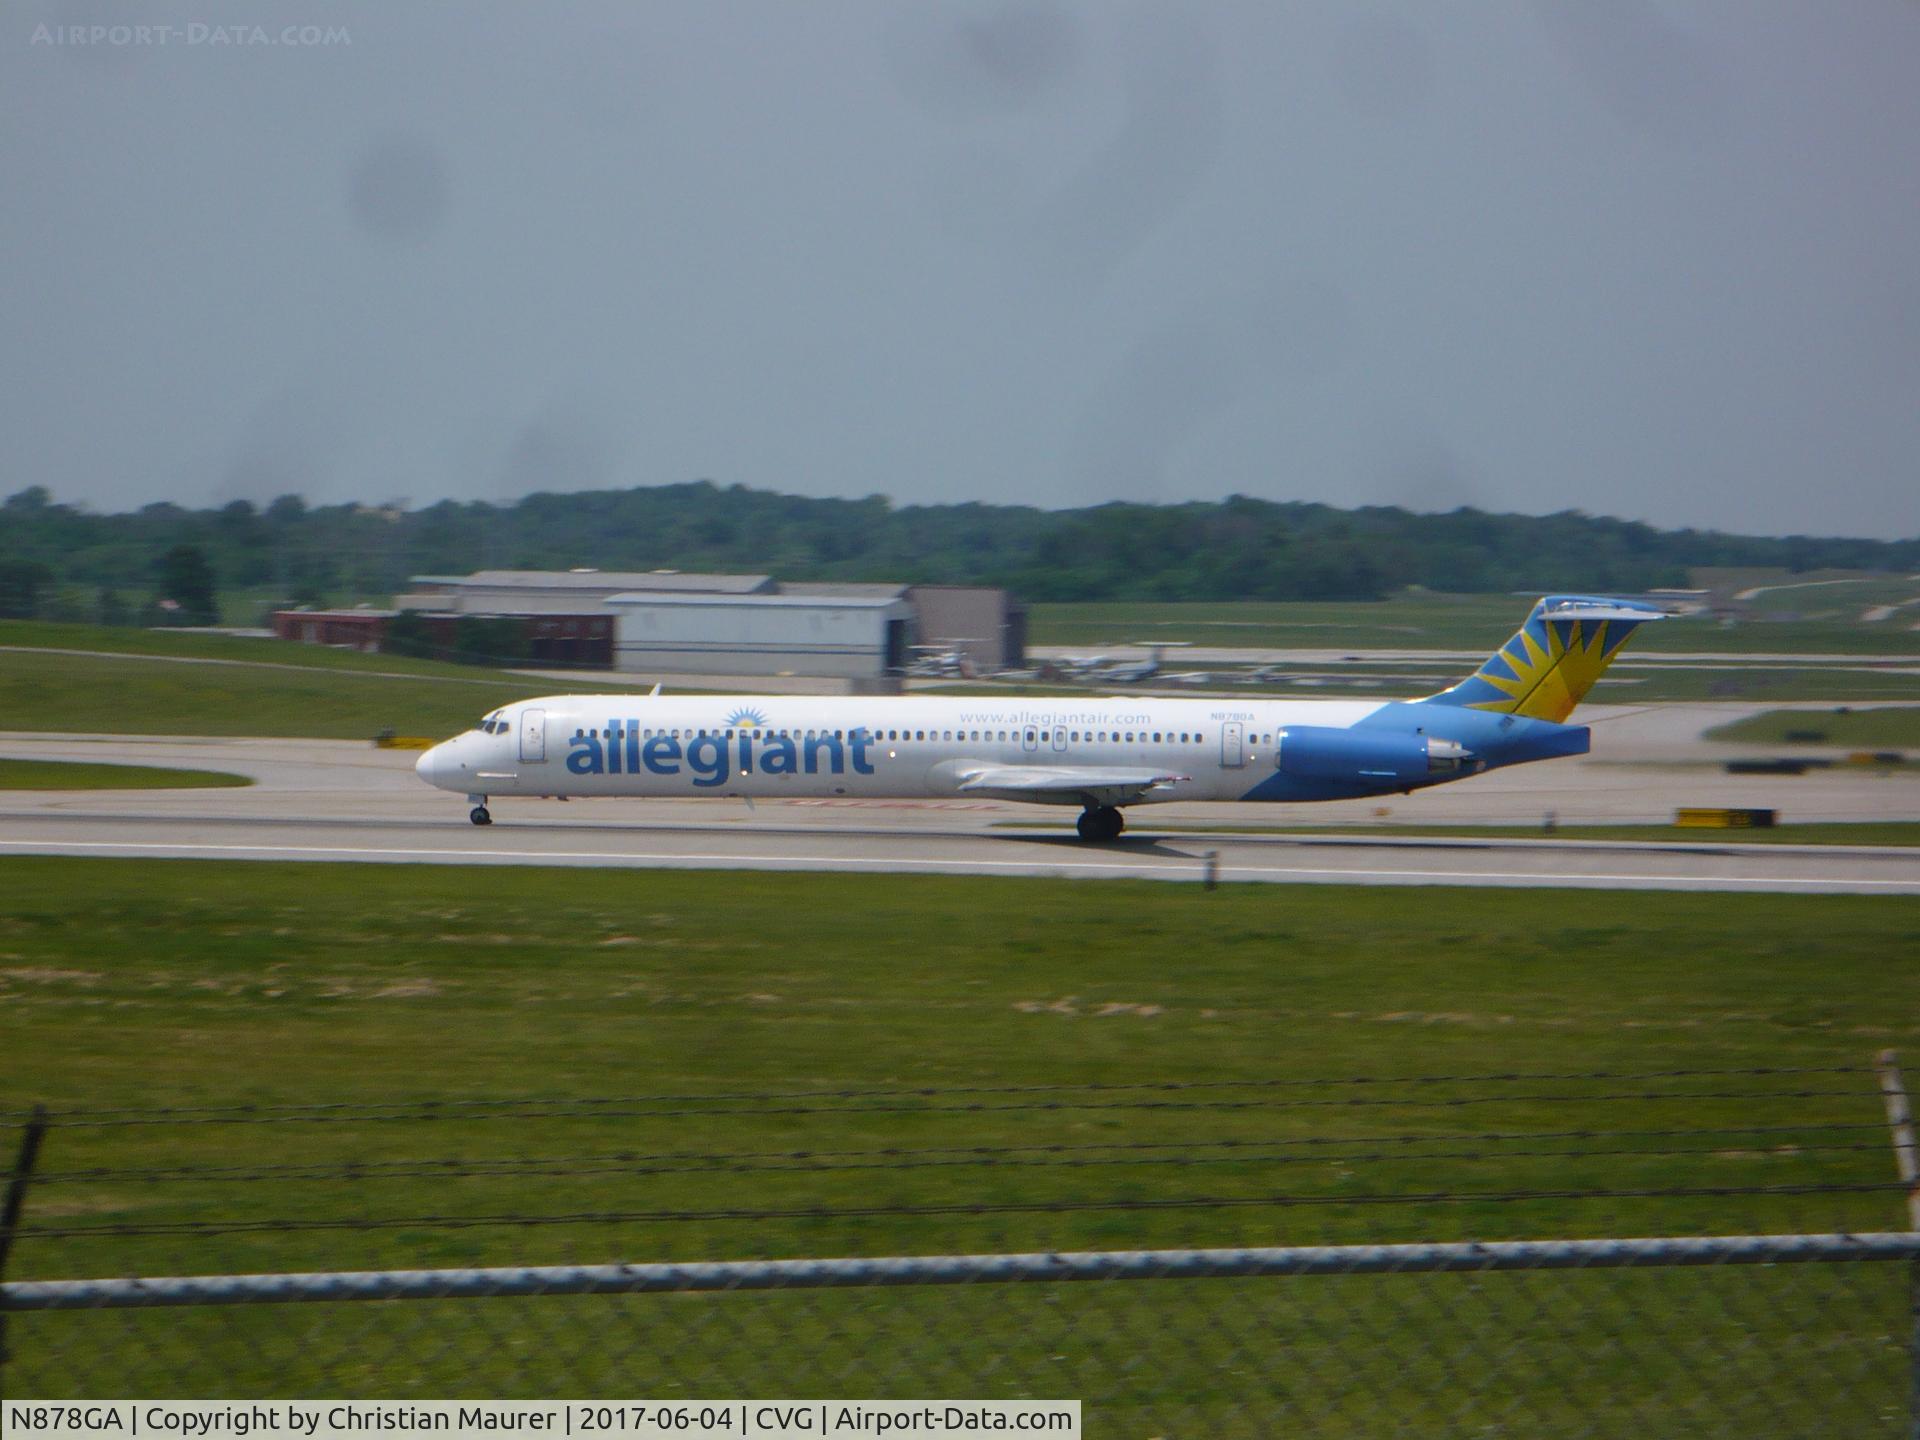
(1101, 823)
(479, 815)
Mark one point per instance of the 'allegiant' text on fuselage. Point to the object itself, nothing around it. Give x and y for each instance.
(627, 747)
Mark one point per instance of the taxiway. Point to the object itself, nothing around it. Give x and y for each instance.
(340, 801)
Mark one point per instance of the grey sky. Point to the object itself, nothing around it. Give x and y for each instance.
(1636, 257)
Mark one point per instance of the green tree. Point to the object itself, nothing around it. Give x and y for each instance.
(408, 633)
(23, 583)
(186, 579)
(113, 610)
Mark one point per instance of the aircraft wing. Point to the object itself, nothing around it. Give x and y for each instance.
(1063, 784)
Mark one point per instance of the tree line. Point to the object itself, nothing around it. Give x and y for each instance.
(166, 562)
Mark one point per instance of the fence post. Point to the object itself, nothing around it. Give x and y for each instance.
(1893, 1090)
(10, 1215)
(1900, 1120)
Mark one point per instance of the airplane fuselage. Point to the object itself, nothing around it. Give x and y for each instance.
(768, 746)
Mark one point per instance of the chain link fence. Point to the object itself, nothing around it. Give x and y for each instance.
(1779, 1336)
(1339, 1257)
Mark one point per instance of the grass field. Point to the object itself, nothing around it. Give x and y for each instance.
(1762, 683)
(129, 640)
(159, 696)
(189, 984)
(1438, 622)
(1888, 728)
(1622, 685)
(86, 775)
(195, 984)
(145, 681)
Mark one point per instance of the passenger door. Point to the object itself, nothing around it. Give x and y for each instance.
(1233, 754)
(533, 737)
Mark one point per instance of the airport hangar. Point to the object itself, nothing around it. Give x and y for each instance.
(674, 622)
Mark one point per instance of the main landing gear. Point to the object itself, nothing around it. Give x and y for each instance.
(1101, 822)
(479, 814)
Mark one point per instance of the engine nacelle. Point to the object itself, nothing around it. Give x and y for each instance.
(1379, 757)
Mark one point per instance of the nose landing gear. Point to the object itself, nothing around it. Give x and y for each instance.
(1101, 822)
(479, 815)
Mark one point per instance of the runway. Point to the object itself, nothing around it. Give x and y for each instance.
(336, 801)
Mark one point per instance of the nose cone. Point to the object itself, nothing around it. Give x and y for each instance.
(432, 766)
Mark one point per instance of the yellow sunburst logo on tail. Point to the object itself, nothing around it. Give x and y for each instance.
(1553, 665)
(1559, 654)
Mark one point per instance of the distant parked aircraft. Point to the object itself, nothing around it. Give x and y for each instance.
(1138, 672)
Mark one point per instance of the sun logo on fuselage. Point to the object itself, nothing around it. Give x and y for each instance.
(744, 719)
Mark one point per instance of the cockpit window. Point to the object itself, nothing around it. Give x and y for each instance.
(493, 725)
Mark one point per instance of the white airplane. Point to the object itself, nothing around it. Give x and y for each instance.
(1099, 755)
(1081, 664)
(939, 662)
(1138, 672)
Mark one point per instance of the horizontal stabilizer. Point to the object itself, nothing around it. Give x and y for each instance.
(1581, 607)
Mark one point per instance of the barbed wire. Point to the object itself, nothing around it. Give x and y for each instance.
(881, 1092)
(454, 1170)
(1285, 1200)
(566, 1110)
